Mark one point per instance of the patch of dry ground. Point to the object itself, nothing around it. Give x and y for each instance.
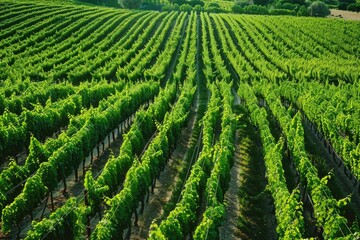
(347, 15)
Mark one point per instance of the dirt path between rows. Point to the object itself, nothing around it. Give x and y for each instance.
(250, 209)
(228, 229)
(164, 186)
(340, 184)
(167, 180)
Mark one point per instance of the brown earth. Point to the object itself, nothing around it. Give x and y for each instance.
(347, 15)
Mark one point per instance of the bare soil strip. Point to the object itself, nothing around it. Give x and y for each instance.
(340, 184)
(342, 14)
(165, 184)
(229, 229)
(255, 219)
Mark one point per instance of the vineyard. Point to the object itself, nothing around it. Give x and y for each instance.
(119, 124)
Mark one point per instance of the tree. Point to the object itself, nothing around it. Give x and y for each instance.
(131, 4)
(347, 1)
(355, 7)
(299, 2)
(237, 9)
(262, 2)
(213, 7)
(302, 11)
(256, 9)
(198, 8)
(185, 8)
(318, 9)
(193, 3)
(343, 4)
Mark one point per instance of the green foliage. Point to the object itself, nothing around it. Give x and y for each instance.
(237, 9)
(282, 12)
(288, 208)
(354, 7)
(212, 5)
(198, 8)
(218, 181)
(261, 2)
(48, 175)
(326, 208)
(342, 5)
(331, 3)
(143, 127)
(347, 2)
(193, 3)
(44, 118)
(67, 222)
(12, 134)
(288, 6)
(318, 9)
(167, 7)
(83, 134)
(130, 4)
(316, 68)
(155, 233)
(208, 228)
(141, 173)
(24, 203)
(213, 10)
(242, 3)
(302, 11)
(256, 9)
(94, 190)
(293, 2)
(185, 8)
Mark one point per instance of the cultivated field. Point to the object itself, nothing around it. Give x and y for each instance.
(118, 124)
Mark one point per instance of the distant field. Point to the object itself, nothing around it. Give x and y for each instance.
(345, 14)
(118, 124)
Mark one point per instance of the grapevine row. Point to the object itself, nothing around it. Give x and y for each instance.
(288, 209)
(144, 170)
(80, 138)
